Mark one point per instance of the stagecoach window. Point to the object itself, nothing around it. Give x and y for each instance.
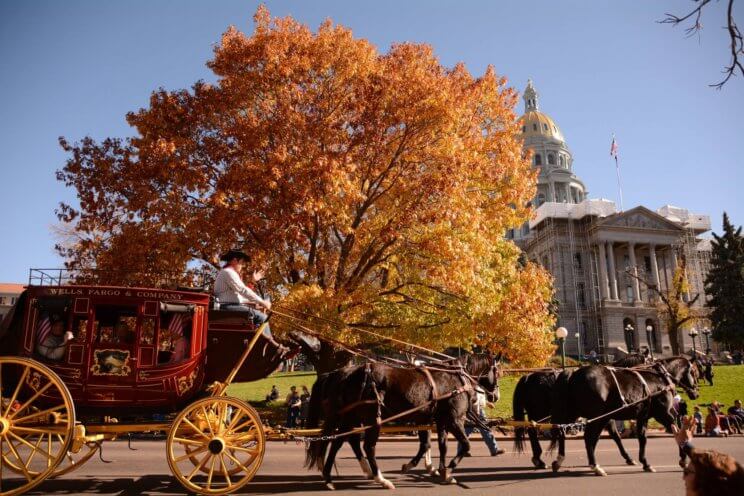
(115, 324)
(147, 332)
(175, 336)
(52, 320)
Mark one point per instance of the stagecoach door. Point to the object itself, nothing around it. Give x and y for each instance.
(113, 353)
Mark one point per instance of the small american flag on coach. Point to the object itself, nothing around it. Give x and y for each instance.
(44, 328)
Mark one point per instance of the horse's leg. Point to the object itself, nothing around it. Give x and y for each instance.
(330, 460)
(442, 443)
(355, 441)
(591, 436)
(428, 463)
(536, 448)
(641, 425)
(615, 435)
(424, 447)
(561, 436)
(458, 430)
(370, 442)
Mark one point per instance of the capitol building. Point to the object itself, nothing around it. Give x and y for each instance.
(593, 251)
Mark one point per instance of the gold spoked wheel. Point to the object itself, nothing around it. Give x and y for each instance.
(37, 419)
(71, 461)
(216, 445)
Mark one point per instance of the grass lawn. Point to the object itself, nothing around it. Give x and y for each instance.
(728, 383)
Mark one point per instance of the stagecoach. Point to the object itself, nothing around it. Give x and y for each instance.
(83, 364)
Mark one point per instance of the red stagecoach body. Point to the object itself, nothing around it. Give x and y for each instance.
(125, 351)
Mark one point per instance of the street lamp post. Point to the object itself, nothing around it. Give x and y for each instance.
(629, 330)
(649, 330)
(706, 333)
(578, 344)
(560, 335)
(693, 332)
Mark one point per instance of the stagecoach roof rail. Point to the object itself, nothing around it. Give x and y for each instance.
(65, 276)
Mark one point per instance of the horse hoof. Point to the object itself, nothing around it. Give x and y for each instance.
(555, 466)
(649, 468)
(630, 461)
(599, 471)
(538, 463)
(406, 467)
(451, 480)
(330, 486)
(683, 464)
(388, 485)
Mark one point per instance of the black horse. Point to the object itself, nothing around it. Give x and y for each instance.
(634, 360)
(364, 394)
(532, 398)
(603, 393)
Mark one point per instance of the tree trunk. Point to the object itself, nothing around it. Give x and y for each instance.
(674, 340)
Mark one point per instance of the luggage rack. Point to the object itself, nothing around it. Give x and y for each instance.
(197, 280)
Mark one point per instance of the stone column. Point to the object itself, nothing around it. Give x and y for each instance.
(551, 190)
(568, 193)
(634, 270)
(654, 266)
(602, 271)
(613, 272)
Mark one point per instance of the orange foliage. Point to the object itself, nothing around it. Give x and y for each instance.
(377, 186)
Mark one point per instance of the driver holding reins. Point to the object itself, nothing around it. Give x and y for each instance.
(235, 296)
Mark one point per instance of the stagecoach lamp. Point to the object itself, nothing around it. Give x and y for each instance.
(561, 333)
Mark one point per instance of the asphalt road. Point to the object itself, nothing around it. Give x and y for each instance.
(145, 471)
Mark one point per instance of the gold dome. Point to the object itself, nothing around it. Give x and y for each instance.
(535, 123)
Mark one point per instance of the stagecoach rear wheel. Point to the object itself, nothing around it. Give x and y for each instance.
(216, 445)
(37, 421)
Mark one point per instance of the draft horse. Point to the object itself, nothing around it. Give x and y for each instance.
(532, 398)
(363, 395)
(602, 393)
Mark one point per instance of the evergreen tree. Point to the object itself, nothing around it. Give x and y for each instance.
(725, 286)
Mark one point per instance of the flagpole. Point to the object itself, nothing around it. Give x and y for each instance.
(619, 184)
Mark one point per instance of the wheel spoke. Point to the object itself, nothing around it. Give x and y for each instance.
(206, 419)
(236, 418)
(196, 429)
(211, 472)
(237, 462)
(224, 469)
(252, 451)
(198, 467)
(18, 457)
(17, 389)
(191, 454)
(48, 455)
(33, 451)
(40, 413)
(52, 429)
(31, 400)
(244, 424)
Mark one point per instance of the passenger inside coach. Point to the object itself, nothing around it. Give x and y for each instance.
(52, 338)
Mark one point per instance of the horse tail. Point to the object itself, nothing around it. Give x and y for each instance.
(519, 413)
(559, 406)
(316, 450)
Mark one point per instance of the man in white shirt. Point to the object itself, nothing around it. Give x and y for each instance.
(235, 296)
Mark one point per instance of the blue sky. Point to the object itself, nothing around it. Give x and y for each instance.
(75, 68)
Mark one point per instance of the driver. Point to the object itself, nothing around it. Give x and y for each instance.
(235, 296)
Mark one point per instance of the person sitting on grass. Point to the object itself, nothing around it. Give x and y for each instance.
(709, 473)
(273, 395)
(713, 424)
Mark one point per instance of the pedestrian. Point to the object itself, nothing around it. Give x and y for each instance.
(293, 407)
(486, 434)
(304, 406)
(709, 371)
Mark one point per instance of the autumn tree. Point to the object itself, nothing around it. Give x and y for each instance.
(377, 186)
(675, 306)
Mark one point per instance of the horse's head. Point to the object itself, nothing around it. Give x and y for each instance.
(684, 373)
(485, 368)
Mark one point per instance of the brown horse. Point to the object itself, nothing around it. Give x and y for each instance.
(365, 394)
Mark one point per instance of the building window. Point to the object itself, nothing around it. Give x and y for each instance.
(546, 262)
(534, 127)
(629, 293)
(524, 129)
(551, 159)
(577, 260)
(510, 234)
(580, 295)
(647, 263)
(540, 199)
(545, 127)
(538, 159)
(562, 160)
(525, 229)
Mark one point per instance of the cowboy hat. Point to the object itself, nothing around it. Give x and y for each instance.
(231, 254)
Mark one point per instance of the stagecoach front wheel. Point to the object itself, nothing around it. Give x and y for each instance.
(37, 421)
(216, 445)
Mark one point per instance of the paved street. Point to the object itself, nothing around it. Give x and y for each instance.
(145, 471)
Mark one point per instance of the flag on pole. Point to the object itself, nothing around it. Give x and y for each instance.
(43, 329)
(177, 323)
(613, 149)
(614, 154)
